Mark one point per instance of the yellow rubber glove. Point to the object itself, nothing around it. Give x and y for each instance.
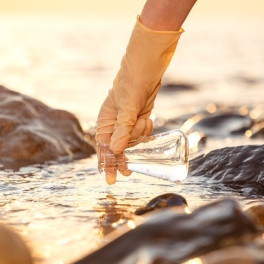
(125, 112)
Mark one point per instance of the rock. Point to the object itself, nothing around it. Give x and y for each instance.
(169, 237)
(223, 125)
(31, 132)
(235, 255)
(163, 201)
(238, 167)
(12, 249)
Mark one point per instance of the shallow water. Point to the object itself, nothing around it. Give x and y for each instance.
(64, 210)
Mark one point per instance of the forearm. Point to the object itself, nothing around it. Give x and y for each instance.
(165, 15)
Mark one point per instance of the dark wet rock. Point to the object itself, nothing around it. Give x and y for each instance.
(12, 249)
(223, 125)
(163, 201)
(169, 237)
(176, 87)
(31, 132)
(238, 167)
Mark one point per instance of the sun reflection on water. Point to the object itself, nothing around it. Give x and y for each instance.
(254, 114)
(211, 108)
(194, 139)
(243, 110)
(131, 224)
(187, 210)
(248, 133)
(190, 122)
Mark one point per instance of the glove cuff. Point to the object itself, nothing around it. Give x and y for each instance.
(181, 30)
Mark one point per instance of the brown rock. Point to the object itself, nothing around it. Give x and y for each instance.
(12, 249)
(169, 237)
(31, 132)
(250, 254)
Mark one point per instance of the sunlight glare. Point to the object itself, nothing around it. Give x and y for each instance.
(211, 108)
(190, 122)
(243, 111)
(194, 261)
(254, 114)
(131, 224)
(248, 133)
(187, 210)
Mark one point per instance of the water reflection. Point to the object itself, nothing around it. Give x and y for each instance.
(194, 140)
(211, 108)
(187, 210)
(111, 215)
(64, 210)
(190, 123)
(254, 114)
(243, 110)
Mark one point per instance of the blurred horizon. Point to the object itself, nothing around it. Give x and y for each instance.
(63, 52)
(121, 7)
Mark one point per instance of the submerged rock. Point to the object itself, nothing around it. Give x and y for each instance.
(238, 167)
(163, 201)
(169, 237)
(31, 132)
(12, 249)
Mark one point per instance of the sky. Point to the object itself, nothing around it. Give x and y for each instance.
(115, 7)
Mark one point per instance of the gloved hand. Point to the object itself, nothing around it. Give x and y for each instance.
(125, 112)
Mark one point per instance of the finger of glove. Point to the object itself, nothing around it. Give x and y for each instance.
(125, 172)
(142, 127)
(106, 120)
(148, 127)
(110, 173)
(126, 119)
(138, 129)
(122, 165)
